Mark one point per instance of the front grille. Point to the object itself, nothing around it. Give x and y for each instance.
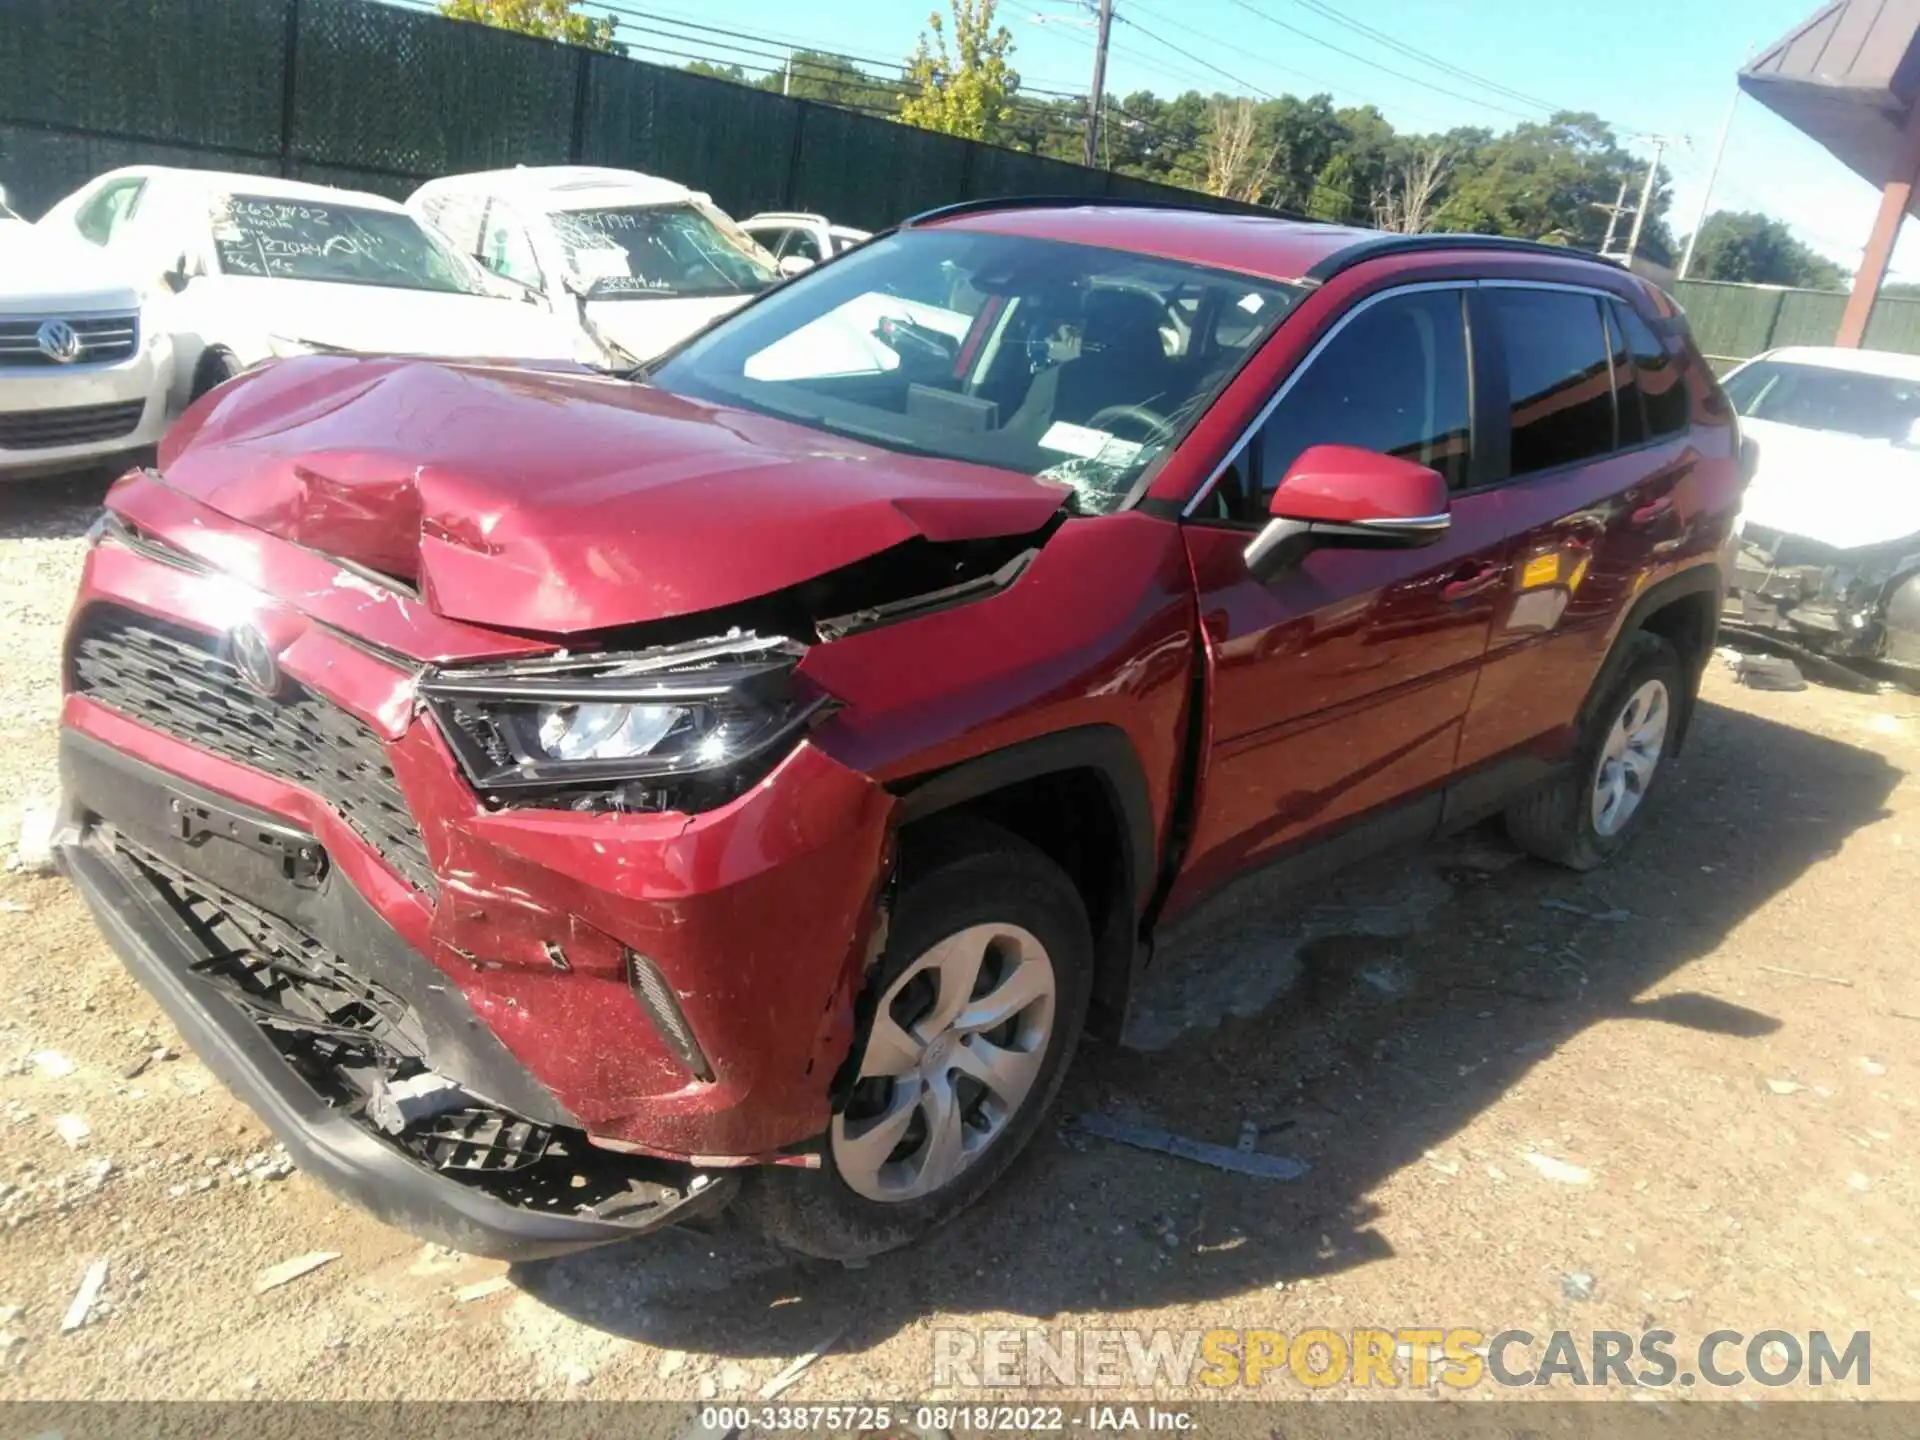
(347, 1037)
(330, 1023)
(178, 681)
(104, 340)
(73, 425)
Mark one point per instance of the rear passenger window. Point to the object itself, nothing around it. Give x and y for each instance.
(1669, 408)
(1394, 380)
(1559, 381)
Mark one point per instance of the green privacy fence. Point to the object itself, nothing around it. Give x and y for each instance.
(1733, 322)
(361, 94)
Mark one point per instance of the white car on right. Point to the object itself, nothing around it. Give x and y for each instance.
(1828, 550)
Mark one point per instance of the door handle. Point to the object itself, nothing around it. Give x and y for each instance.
(1653, 512)
(1471, 580)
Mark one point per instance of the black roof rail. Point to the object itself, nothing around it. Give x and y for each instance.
(1105, 202)
(1379, 245)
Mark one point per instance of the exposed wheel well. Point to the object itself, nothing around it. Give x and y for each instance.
(1075, 819)
(1689, 623)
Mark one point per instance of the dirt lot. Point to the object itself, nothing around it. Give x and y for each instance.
(1426, 1033)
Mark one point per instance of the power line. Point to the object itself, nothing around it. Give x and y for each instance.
(1326, 11)
(1224, 74)
(1375, 64)
(1320, 82)
(1034, 88)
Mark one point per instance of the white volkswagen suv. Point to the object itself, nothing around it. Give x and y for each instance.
(82, 381)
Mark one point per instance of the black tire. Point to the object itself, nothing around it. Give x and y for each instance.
(970, 873)
(1555, 822)
(215, 369)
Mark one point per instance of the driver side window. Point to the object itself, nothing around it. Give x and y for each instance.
(1392, 379)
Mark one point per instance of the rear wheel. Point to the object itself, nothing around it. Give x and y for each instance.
(1582, 819)
(969, 1020)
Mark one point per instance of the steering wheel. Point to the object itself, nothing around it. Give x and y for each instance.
(1157, 426)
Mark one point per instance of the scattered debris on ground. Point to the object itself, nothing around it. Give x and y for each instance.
(1611, 917)
(1577, 1285)
(1559, 1170)
(1220, 1157)
(1768, 672)
(1808, 975)
(87, 1298)
(785, 1379)
(275, 1276)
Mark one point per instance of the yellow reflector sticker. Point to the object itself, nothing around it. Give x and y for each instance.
(1541, 570)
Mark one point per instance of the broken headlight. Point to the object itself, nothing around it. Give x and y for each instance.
(680, 727)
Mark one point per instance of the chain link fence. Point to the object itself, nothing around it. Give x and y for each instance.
(369, 96)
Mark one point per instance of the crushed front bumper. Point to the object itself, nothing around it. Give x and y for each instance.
(1859, 604)
(545, 1192)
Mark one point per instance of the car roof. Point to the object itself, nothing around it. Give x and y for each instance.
(1270, 246)
(222, 181)
(568, 187)
(1859, 362)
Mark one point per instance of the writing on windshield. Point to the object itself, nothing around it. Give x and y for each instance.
(278, 239)
(637, 252)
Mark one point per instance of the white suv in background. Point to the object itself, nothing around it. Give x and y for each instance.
(82, 381)
(637, 263)
(799, 242)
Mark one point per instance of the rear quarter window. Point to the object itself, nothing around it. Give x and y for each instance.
(1657, 375)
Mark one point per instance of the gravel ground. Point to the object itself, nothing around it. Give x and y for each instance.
(1715, 1040)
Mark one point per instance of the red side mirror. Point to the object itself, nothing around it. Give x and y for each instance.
(1345, 485)
(1343, 495)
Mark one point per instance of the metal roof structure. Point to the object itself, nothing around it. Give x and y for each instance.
(1848, 77)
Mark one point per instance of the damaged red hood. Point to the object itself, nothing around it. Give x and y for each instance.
(559, 502)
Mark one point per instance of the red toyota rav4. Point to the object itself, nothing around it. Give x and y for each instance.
(563, 804)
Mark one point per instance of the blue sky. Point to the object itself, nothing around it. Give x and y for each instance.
(1659, 66)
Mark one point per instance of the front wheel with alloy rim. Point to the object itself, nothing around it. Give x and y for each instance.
(967, 1024)
(1584, 817)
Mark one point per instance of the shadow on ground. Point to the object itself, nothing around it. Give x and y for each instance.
(1359, 1027)
(56, 508)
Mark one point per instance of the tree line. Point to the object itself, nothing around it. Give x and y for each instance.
(1559, 180)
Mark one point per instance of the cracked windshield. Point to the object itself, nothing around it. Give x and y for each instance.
(1069, 362)
(644, 252)
(278, 239)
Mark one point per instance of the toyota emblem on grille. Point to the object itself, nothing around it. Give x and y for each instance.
(58, 341)
(253, 658)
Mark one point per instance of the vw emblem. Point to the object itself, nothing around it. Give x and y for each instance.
(58, 341)
(253, 658)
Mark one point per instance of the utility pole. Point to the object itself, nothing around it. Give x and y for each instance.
(1614, 212)
(1660, 144)
(1706, 196)
(1099, 84)
(786, 83)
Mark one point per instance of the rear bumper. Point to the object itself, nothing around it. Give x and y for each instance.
(327, 1141)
